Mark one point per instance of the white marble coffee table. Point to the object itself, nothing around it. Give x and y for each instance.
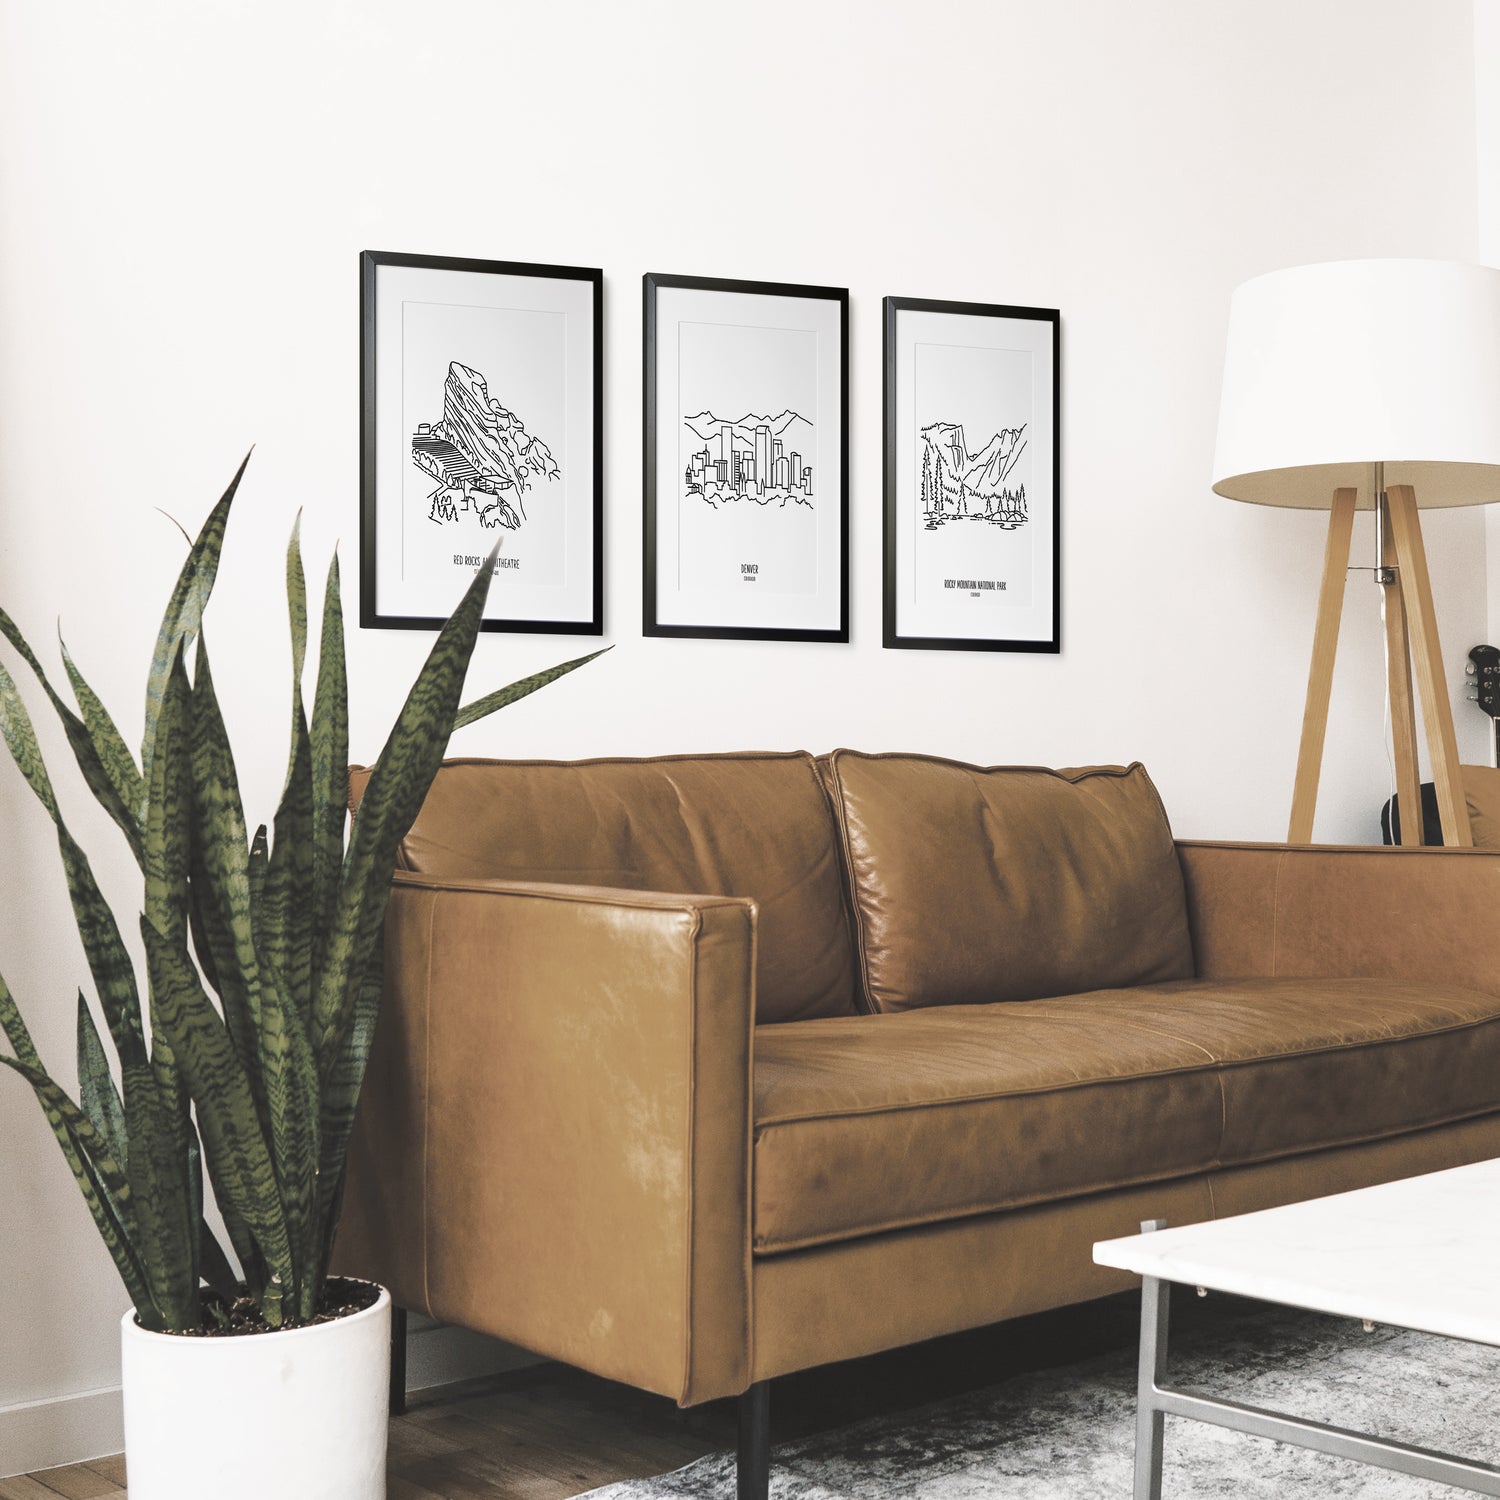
(1423, 1253)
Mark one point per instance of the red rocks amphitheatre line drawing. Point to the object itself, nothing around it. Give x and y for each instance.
(481, 455)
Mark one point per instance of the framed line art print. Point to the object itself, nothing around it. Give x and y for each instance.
(747, 459)
(481, 424)
(971, 476)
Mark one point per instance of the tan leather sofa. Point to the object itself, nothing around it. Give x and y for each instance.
(697, 1071)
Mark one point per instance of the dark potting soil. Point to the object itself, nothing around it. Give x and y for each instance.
(342, 1297)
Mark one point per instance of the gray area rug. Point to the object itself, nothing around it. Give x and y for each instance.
(1069, 1433)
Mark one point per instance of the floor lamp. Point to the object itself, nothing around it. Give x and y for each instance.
(1369, 385)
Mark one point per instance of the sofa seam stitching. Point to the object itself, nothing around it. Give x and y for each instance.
(1223, 1114)
(624, 760)
(1213, 1063)
(979, 1210)
(1205, 1172)
(859, 1000)
(1080, 773)
(1372, 851)
(662, 901)
(856, 907)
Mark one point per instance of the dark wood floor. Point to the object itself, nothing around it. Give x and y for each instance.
(548, 1432)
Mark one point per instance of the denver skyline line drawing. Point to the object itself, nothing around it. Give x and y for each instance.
(756, 458)
(481, 455)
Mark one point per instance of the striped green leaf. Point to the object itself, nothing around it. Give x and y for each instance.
(291, 1085)
(169, 809)
(155, 1117)
(113, 783)
(111, 762)
(15, 1030)
(284, 932)
(156, 1100)
(284, 927)
(99, 1175)
(502, 697)
(343, 1085)
(97, 1092)
(184, 615)
(20, 739)
(109, 963)
(221, 880)
(234, 1150)
(296, 598)
(99, 1179)
(201, 916)
(281, 900)
(223, 925)
(404, 771)
(330, 766)
(259, 859)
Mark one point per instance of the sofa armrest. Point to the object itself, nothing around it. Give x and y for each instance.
(1328, 911)
(553, 1143)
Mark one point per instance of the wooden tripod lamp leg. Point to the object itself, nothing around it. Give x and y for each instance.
(1320, 675)
(1403, 703)
(1437, 714)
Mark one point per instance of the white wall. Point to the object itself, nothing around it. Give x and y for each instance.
(185, 186)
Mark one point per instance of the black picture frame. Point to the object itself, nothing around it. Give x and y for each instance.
(836, 630)
(589, 616)
(1047, 640)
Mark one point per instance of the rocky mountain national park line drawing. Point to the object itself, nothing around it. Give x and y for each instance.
(481, 455)
(959, 485)
(759, 459)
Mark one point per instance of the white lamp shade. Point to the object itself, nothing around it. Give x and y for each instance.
(1330, 369)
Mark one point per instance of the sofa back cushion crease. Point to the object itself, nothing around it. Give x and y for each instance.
(976, 884)
(755, 825)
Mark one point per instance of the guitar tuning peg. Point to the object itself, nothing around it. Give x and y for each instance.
(1473, 695)
(1470, 669)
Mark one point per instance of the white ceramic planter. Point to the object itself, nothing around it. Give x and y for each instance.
(299, 1414)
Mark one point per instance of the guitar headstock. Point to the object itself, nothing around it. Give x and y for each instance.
(1484, 678)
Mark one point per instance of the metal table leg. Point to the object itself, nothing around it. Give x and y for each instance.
(1154, 1401)
(1149, 1420)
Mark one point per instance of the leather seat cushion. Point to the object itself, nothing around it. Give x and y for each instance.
(759, 826)
(874, 1123)
(973, 884)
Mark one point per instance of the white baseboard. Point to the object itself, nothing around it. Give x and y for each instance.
(63, 1430)
(89, 1424)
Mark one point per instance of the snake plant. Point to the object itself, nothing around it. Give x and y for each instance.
(259, 1089)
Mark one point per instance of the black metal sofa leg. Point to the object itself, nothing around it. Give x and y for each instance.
(753, 1461)
(398, 1361)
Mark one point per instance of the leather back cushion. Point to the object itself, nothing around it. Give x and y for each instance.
(712, 825)
(1482, 793)
(974, 884)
